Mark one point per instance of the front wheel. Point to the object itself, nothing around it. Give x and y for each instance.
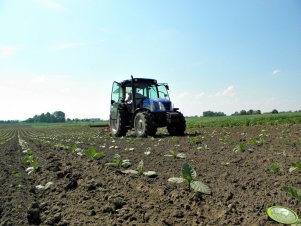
(117, 126)
(177, 128)
(144, 124)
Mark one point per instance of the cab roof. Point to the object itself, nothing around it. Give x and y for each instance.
(136, 80)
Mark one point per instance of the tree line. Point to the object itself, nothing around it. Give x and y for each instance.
(55, 117)
(242, 112)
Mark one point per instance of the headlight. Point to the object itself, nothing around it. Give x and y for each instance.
(161, 106)
(156, 105)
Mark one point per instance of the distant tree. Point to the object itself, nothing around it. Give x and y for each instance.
(274, 111)
(57, 116)
(212, 114)
(243, 112)
(258, 112)
(250, 112)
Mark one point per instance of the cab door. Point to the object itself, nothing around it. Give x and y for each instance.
(116, 97)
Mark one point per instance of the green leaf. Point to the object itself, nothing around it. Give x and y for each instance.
(294, 192)
(140, 167)
(99, 155)
(187, 172)
(177, 180)
(199, 186)
(295, 166)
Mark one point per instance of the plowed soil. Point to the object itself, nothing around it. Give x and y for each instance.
(85, 192)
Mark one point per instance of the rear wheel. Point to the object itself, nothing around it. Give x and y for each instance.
(178, 128)
(144, 124)
(117, 126)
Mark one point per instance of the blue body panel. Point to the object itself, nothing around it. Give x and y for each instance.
(153, 104)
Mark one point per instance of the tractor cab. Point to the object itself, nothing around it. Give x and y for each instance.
(142, 104)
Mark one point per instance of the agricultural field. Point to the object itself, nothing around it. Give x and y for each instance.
(79, 175)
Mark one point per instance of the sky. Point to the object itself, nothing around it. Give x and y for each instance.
(63, 55)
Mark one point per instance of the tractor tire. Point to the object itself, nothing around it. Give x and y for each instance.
(144, 124)
(117, 127)
(177, 129)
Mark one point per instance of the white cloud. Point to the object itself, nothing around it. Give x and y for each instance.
(69, 45)
(276, 71)
(228, 92)
(50, 4)
(200, 95)
(38, 79)
(7, 51)
(183, 95)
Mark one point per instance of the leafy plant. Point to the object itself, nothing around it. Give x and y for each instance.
(118, 162)
(16, 174)
(295, 166)
(34, 164)
(240, 148)
(258, 141)
(195, 140)
(275, 168)
(93, 154)
(174, 154)
(294, 192)
(140, 170)
(27, 159)
(189, 175)
(73, 148)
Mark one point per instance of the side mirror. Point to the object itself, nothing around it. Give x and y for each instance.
(167, 87)
(112, 102)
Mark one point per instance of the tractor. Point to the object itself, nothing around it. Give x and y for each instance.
(143, 104)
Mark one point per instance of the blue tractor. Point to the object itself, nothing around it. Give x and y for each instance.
(143, 104)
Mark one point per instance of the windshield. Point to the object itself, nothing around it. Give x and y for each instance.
(149, 90)
(163, 93)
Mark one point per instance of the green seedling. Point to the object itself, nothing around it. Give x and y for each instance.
(140, 170)
(295, 166)
(240, 148)
(118, 162)
(73, 148)
(195, 140)
(93, 154)
(175, 154)
(27, 159)
(275, 168)
(34, 164)
(294, 192)
(16, 174)
(258, 141)
(175, 140)
(189, 175)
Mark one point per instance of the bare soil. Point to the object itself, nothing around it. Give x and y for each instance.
(85, 192)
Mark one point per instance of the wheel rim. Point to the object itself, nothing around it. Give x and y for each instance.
(139, 125)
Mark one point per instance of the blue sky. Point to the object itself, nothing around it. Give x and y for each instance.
(215, 55)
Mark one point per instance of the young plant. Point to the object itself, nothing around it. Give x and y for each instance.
(174, 154)
(140, 170)
(275, 168)
(73, 148)
(189, 175)
(240, 148)
(294, 192)
(295, 166)
(16, 174)
(93, 154)
(118, 162)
